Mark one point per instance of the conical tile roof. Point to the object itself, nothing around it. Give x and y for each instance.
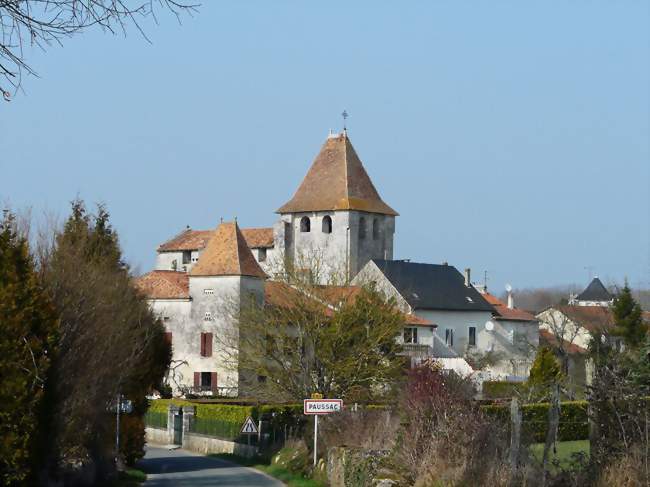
(227, 254)
(337, 180)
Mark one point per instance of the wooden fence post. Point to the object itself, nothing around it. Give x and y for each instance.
(551, 434)
(515, 436)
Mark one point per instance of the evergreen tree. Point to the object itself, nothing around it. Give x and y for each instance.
(628, 319)
(110, 342)
(545, 372)
(28, 326)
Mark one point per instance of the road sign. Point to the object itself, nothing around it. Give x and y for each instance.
(322, 406)
(249, 427)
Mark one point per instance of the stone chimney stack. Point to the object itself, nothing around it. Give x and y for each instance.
(468, 282)
(511, 300)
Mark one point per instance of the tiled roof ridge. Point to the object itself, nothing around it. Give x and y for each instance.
(237, 243)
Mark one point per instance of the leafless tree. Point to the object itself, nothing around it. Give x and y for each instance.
(41, 23)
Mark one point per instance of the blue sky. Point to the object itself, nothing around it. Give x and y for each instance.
(512, 137)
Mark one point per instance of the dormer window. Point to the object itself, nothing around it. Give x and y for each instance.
(261, 255)
(362, 228)
(305, 224)
(327, 224)
(174, 265)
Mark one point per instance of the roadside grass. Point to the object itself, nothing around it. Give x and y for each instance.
(131, 477)
(275, 471)
(564, 454)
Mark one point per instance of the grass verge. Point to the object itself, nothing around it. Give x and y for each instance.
(131, 477)
(564, 451)
(275, 471)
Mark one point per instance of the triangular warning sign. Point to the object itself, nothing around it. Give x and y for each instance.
(249, 427)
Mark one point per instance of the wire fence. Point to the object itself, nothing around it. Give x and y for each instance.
(225, 430)
(153, 419)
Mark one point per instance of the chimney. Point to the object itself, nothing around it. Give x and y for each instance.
(511, 300)
(467, 277)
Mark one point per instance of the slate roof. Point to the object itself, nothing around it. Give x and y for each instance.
(164, 285)
(432, 286)
(227, 254)
(595, 291)
(505, 313)
(337, 180)
(198, 239)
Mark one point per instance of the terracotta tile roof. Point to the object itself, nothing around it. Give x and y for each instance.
(549, 339)
(164, 285)
(258, 237)
(198, 239)
(281, 294)
(413, 319)
(187, 240)
(589, 317)
(505, 313)
(337, 180)
(227, 254)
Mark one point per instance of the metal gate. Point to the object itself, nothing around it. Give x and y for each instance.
(178, 427)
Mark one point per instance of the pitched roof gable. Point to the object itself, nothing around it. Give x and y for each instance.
(337, 180)
(595, 291)
(227, 254)
(431, 286)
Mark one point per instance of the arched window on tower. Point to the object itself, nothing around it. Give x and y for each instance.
(375, 228)
(362, 228)
(327, 224)
(305, 224)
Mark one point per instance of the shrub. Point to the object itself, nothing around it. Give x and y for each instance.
(502, 389)
(132, 438)
(574, 424)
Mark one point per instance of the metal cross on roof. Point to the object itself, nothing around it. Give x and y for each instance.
(345, 116)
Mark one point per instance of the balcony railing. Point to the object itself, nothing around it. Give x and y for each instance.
(416, 349)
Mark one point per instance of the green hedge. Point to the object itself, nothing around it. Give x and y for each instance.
(574, 424)
(501, 389)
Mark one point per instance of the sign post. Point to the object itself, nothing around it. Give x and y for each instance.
(249, 428)
(317, 406)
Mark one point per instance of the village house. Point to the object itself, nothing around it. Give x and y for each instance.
(335, 231)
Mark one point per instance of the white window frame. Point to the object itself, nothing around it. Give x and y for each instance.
(413, 335)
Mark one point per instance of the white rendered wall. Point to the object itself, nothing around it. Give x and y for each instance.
(339, 255)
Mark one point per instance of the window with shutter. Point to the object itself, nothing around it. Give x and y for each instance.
(197, 379)
(213, 382)
(208, 344)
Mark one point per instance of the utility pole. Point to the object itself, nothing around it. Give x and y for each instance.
(117, 429)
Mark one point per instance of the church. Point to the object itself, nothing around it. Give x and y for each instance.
(335, 231)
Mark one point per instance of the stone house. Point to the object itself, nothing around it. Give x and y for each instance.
(335, 230)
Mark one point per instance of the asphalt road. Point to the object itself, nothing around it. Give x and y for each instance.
(180, 468)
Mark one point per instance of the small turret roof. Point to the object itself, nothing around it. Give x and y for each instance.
(337, 180)
(227, 254)
(595, 291)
